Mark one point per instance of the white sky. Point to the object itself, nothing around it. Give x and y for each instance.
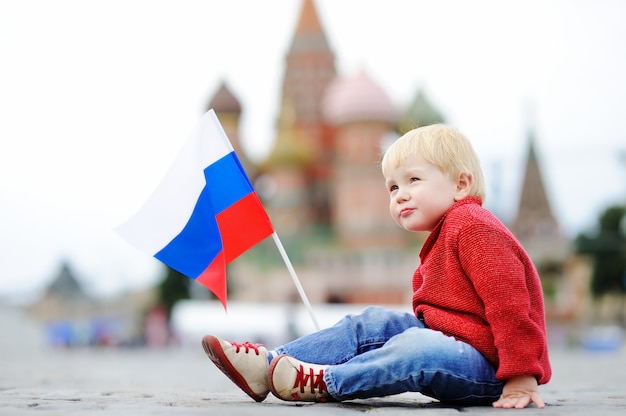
(96, 98)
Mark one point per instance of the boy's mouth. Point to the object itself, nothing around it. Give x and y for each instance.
(405, 212)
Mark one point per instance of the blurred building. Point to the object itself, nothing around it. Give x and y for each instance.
(321, 182)
(565, 277)
(72, 318)
(535, 225)
(322, 186)
(323, 190)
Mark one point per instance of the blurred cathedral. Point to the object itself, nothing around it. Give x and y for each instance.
(323, 190)
(322, 187)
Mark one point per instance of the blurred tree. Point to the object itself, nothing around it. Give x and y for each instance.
(608, 249)
(173, 287)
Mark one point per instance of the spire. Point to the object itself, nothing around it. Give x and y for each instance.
(535, 225)
(533, 203)
(310, 68)
(309, 22)
(309, 34)
(534, 200)
(65, 283)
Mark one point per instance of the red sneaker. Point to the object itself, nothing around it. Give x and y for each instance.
(293, 380)
(245, 364)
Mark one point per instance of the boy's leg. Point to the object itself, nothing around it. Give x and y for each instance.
(247, 364)
(418, 360)
(351, 336)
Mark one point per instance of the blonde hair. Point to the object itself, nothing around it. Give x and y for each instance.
(444, 147)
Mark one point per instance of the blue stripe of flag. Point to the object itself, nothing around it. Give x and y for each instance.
(195, 247)
(226, 181)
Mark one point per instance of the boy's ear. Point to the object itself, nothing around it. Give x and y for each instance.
(463, 185)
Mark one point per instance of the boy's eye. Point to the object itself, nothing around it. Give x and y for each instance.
(415, 179)
(393, 188)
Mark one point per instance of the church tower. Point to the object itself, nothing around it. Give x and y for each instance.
(284, 178)
(535, 225)
(310, 67)
(228, 111)
(364, 118)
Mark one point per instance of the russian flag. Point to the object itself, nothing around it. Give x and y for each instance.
(204, 213)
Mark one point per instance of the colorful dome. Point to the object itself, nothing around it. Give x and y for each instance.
(357, 98)
(224, 101)
(420, 113)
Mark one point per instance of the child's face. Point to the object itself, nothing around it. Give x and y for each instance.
(419, 194)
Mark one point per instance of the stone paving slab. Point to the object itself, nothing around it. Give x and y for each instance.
(182, 381)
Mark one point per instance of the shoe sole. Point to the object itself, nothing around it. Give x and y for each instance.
(214, 351)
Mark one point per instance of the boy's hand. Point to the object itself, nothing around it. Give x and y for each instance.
(519, 392)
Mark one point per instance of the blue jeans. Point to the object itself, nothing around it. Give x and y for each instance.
(382, 352)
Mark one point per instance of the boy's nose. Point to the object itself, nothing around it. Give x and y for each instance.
(402, 195)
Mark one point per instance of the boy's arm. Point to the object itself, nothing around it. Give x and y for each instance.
(519, 392)
(512, 297)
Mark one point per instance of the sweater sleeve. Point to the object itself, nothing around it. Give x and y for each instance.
(509, 287)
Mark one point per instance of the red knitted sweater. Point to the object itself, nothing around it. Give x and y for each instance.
(476, 283)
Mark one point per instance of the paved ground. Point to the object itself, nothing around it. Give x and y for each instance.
(182, 381)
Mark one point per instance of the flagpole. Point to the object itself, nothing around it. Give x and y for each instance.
(295, 279)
